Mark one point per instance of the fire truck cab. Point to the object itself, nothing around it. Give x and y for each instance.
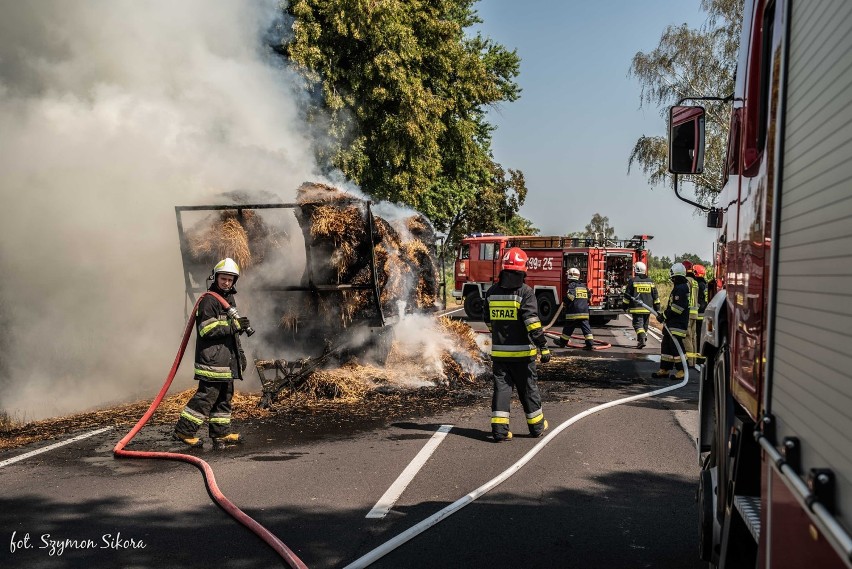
(604, 264)
(775, 399)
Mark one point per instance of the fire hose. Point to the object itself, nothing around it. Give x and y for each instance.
(206, 471)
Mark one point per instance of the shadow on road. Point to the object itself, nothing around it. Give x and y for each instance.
(625, 519)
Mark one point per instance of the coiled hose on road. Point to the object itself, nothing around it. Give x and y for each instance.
(206, 471)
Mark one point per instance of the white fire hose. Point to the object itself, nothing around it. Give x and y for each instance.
(410, 533)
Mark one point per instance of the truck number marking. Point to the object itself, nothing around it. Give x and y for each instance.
(544, 264)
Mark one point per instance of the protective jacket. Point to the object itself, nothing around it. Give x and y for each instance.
(693, 297)
(218, 354)
(677, 312)
(643, 288)
(576, 300)
(511, 313)
(702, 297)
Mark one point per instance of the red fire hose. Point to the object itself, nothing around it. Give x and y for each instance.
(276, 544)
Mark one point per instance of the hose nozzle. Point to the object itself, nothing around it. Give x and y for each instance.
(232, 313)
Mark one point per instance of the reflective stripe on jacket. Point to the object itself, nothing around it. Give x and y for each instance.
(677, 312)
(644, 289)
(216, 346)
(693, 298)
(511, 313)
(576, 301)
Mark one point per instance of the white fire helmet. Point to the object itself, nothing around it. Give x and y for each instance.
(227, 266)
(678, 270)
(573, 274)
(639, 268)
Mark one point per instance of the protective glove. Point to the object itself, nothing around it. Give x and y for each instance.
(243, 324)
(545, 356)
(661, 317)
(243, 361)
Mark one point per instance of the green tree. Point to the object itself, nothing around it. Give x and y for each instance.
(694, 259)
(599, 227)
(691, 63)
(405, 91)
(497, 205)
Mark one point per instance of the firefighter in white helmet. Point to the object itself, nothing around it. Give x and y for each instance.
(640, 288)
(576, 301)
(511, 314)
(676, 319)
(219, 359)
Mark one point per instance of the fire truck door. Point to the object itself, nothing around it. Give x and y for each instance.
(579, 261)
(490, 251)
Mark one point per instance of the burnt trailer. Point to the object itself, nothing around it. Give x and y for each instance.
(323, 339)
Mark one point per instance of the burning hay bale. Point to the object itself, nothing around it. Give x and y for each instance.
(239, 234)
(335, 226)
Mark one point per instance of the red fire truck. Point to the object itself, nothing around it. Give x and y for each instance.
(775, 437)
(605, 265)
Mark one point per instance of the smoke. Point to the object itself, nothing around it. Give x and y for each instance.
(111, 113)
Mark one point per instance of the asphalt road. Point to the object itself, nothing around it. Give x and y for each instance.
(615, 489)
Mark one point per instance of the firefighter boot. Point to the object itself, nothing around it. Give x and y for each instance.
(541, 432)
(560, 343)
(589, 345)
(640, 341)
(678, 375)
(191, 441)
(508, 437)
(661, 374)
(225, 441)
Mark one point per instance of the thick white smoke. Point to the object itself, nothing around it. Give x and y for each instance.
(111, 113)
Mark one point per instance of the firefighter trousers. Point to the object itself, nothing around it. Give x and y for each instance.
(212, 401)
(641, 322)
(522, 376)
(572, 324)
(669, 356)
(689, 342)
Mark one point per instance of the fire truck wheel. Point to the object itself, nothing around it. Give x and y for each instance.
(473, 305)
(546, 306)
(705, 515)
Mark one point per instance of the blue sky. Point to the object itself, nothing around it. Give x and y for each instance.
(573, 128)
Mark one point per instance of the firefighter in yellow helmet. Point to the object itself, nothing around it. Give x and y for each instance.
(511, 313)
(219, 359)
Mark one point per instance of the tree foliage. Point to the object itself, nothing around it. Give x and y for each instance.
(691, 63)
(598, 227)
(405, 91)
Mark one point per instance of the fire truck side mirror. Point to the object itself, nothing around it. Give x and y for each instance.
(715, 218)
(686, 140)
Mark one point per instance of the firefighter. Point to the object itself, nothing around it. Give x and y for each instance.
(511, 313)
(576, 302)
(641, 288)
(676, 318)
(689, 341)
(219, 359)
(700, 272)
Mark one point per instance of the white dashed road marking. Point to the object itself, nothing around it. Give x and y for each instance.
(386, 502)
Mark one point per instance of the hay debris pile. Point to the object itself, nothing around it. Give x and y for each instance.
(352, 390)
